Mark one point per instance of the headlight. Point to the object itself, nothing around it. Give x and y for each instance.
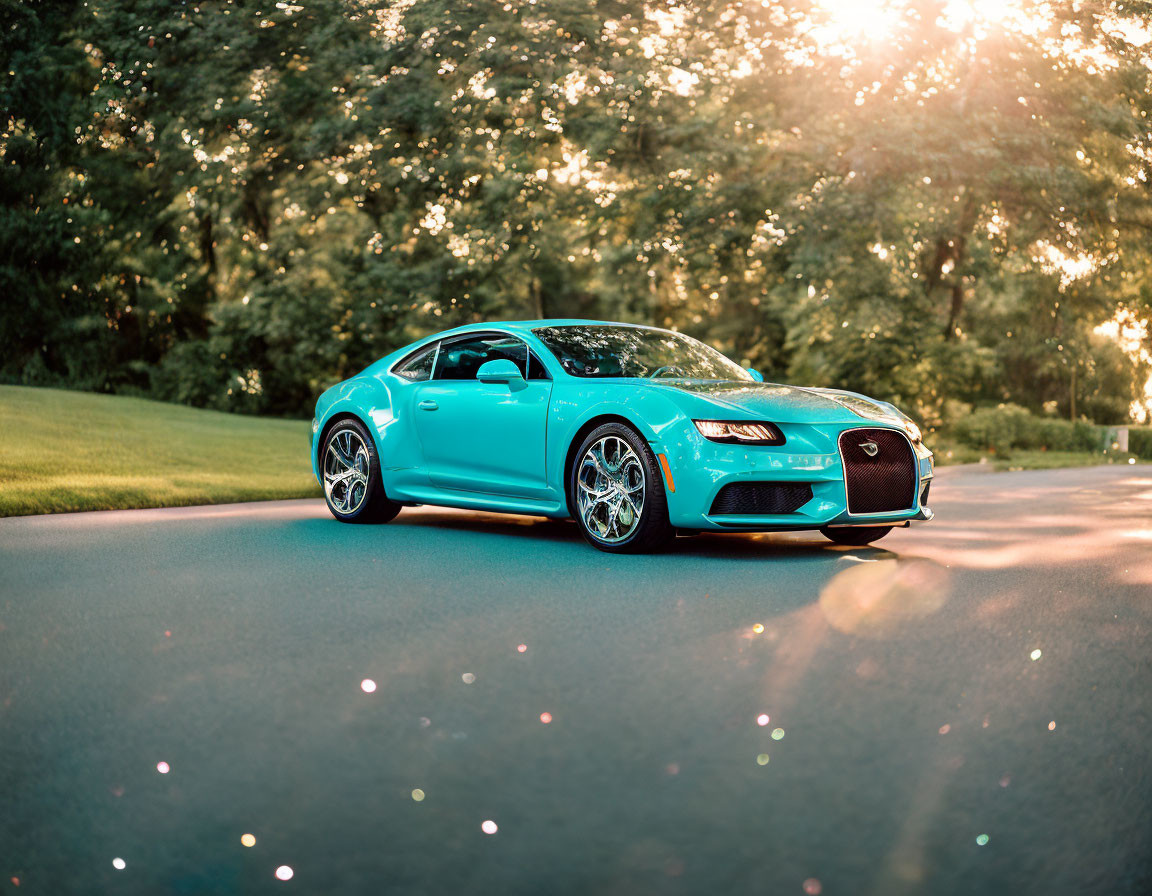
(737, 433)
(913, 430)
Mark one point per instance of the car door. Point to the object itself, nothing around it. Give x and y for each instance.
(484, 437)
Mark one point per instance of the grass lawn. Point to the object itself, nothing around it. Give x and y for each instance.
(1027, 460)
(62, 451)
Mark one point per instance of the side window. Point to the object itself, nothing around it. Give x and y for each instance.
(418, 367)
(536, 370)
(459, 360)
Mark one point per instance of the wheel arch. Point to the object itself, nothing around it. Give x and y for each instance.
(337, 417)
(578, 438)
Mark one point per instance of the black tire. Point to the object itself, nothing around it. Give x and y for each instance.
(855, 536)
(653, 531)
(368, 503)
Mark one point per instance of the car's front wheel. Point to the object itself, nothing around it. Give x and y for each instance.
(617, 492)
(350, 471)
(855, 536)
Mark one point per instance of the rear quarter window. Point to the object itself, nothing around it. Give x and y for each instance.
(418, 366)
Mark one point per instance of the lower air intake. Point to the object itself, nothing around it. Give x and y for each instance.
(879, 471)
(761, 498)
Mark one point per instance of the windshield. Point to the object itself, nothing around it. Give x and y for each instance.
(607, 351)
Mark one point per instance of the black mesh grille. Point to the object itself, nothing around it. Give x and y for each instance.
(761, 498)
(924, 495)
(881, 482)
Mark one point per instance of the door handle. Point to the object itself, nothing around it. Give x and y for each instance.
(428, 405)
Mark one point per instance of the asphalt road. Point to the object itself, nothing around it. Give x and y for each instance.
(967, 710)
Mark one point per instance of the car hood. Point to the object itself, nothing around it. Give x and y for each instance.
(778, 403)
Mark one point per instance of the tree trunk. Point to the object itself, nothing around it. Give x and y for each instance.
(955, 308)
(536, 296)
(959, 255)
(208, 251)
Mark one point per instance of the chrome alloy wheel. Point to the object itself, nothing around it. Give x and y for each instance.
(346, 467)
(610, 490)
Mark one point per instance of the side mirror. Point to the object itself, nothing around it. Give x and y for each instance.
(756, 375)
(500, 371)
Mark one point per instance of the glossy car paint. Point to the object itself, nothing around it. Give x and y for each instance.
(506, 446)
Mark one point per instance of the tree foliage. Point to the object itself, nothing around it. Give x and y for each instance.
(234, 204)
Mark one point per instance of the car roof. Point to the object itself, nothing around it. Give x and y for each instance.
(523, 326)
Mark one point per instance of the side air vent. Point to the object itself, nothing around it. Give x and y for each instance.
(761, 498)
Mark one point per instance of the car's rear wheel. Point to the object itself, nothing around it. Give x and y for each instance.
(617, 492)
(350, 472)
(855, 536)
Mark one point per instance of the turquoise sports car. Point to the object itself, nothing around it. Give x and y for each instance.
(638, 434)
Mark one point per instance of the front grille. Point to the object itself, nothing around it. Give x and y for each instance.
(761, 498)
(884, 482)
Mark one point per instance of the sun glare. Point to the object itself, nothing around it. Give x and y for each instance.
(847, 21)
(1131, 334)
(961, 14)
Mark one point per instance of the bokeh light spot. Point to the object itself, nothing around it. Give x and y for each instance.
(777, 733)
(762, 759)
(247, 840)
(1052, 725)
(762, 719)
(418, 795)
(758, 628)
(163, 767)
(546, 717)
(812, 887)
(468, 678)
(1035, 654)
(368, 686)
(982, 840)
(521, 648)
(284, 872)
(489, 827)
(118, 863)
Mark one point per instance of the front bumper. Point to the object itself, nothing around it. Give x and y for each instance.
(701, 468)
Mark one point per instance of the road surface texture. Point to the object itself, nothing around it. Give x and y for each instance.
(967, 709)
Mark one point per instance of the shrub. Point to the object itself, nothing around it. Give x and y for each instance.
(1010, 426)
(1140, 441)
(992, 429)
